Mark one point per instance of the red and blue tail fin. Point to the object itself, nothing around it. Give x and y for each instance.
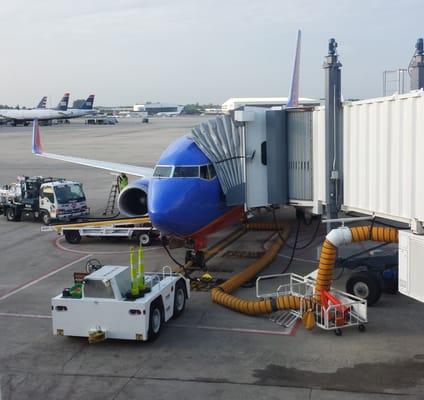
(37, 147)
(293, 100)
(63, 104)
(42, 103)
(88, 104)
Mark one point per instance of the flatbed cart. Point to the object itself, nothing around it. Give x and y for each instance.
(336, 311)
(139, 229)
(101, 305)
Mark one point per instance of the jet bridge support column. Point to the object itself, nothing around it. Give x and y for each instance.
(333, 132)
(416, 67)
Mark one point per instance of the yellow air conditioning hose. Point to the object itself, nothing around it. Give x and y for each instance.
(222, 293)
(342, 236)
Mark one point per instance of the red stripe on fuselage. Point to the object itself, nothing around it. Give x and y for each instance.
(199, 237)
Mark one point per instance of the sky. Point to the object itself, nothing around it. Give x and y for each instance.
(188, 51)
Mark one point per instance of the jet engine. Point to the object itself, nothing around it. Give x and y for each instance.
(132, 201)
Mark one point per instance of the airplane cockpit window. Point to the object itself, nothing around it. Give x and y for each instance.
(212, 172)
(204, 173)
(186, 172)
(167, 171)
(207, 172)
(162, 171)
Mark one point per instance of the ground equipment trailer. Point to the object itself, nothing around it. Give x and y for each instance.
(102, 306)
(45, 198)
(374, 274)
(139, 229)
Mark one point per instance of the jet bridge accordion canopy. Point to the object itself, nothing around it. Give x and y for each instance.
(222, 141)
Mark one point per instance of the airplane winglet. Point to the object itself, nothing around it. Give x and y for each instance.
(37, 147)
(293, 100)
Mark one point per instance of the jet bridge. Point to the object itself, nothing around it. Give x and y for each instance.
(249, 152)
(262, 156)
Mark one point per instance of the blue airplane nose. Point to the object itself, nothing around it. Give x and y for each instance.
(183, 206)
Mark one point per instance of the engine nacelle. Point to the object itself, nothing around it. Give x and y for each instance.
(132, 201)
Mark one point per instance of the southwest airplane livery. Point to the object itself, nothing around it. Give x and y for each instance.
(182, 194)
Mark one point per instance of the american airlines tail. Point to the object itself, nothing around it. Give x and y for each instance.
(42, 103)
(63, 104)
(88, 104)
(294, 89)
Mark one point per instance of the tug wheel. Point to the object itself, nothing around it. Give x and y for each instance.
(155, 321)
(179, 298)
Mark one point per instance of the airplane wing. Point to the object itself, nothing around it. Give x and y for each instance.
(134, 170)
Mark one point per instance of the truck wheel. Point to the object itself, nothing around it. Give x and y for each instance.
(73, 237)
(45, 217)
(364, 285)
(179, 299)
(155, 321)
(145, 239)
(11, 214)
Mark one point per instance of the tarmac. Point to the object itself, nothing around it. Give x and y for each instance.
(209, 352)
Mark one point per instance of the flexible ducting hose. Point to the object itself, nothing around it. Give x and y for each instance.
(342, 236)
(222, 294)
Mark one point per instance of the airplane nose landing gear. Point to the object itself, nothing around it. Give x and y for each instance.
(197, 257)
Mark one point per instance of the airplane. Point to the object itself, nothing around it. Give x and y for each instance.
(85, 109)
(42, 114)
(182, 194)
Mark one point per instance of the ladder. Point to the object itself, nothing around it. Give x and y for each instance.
(110, 207)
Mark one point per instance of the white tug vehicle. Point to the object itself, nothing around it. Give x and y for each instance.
(120, 302)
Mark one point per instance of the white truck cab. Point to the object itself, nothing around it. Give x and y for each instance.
(62, 200)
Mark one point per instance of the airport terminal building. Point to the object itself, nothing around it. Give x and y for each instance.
(158, 108)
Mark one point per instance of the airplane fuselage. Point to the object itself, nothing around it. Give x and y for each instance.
(28, 115)
(76, 113)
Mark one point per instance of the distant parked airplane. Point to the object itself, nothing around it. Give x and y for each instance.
(85, 109)
(26, 116)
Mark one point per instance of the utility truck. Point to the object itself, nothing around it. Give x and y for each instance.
(117, 302)
(45, 198)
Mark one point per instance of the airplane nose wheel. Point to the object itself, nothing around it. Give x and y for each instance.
(197, 258)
